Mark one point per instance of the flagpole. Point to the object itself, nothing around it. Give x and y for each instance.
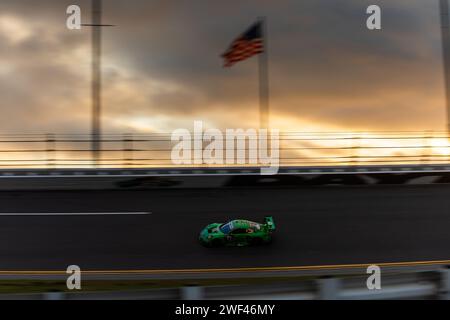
(263, 70)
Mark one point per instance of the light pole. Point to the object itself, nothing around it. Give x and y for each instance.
(445, 33)
(96, 78)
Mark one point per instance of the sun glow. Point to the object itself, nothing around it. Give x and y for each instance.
(15, 30)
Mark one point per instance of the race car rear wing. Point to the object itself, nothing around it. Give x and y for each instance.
(268, 220)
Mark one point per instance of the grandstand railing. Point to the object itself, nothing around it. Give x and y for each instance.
(295, 149)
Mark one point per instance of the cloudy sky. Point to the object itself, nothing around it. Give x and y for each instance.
(162, 66)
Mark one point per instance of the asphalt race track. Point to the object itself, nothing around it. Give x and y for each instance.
(316, 226)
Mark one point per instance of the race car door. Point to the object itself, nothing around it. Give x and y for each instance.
(238, 236)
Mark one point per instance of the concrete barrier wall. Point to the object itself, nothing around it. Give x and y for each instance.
(104, 179)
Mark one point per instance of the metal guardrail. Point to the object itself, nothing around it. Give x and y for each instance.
(296, 149)
(410, 285)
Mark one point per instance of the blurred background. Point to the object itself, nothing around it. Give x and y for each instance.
(340, 94)
(161, 70)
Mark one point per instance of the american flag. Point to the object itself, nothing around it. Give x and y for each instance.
(248, 44)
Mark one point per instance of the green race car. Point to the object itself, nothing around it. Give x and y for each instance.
(238, 233)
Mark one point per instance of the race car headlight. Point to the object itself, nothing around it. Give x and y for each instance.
(209, 237)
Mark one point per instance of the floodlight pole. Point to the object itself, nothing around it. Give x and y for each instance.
(445, 33)
(96, 79)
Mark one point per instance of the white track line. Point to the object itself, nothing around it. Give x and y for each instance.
(74, 213)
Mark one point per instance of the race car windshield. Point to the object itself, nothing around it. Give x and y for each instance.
(226, 228)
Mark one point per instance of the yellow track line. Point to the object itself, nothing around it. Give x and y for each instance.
(233, 270)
